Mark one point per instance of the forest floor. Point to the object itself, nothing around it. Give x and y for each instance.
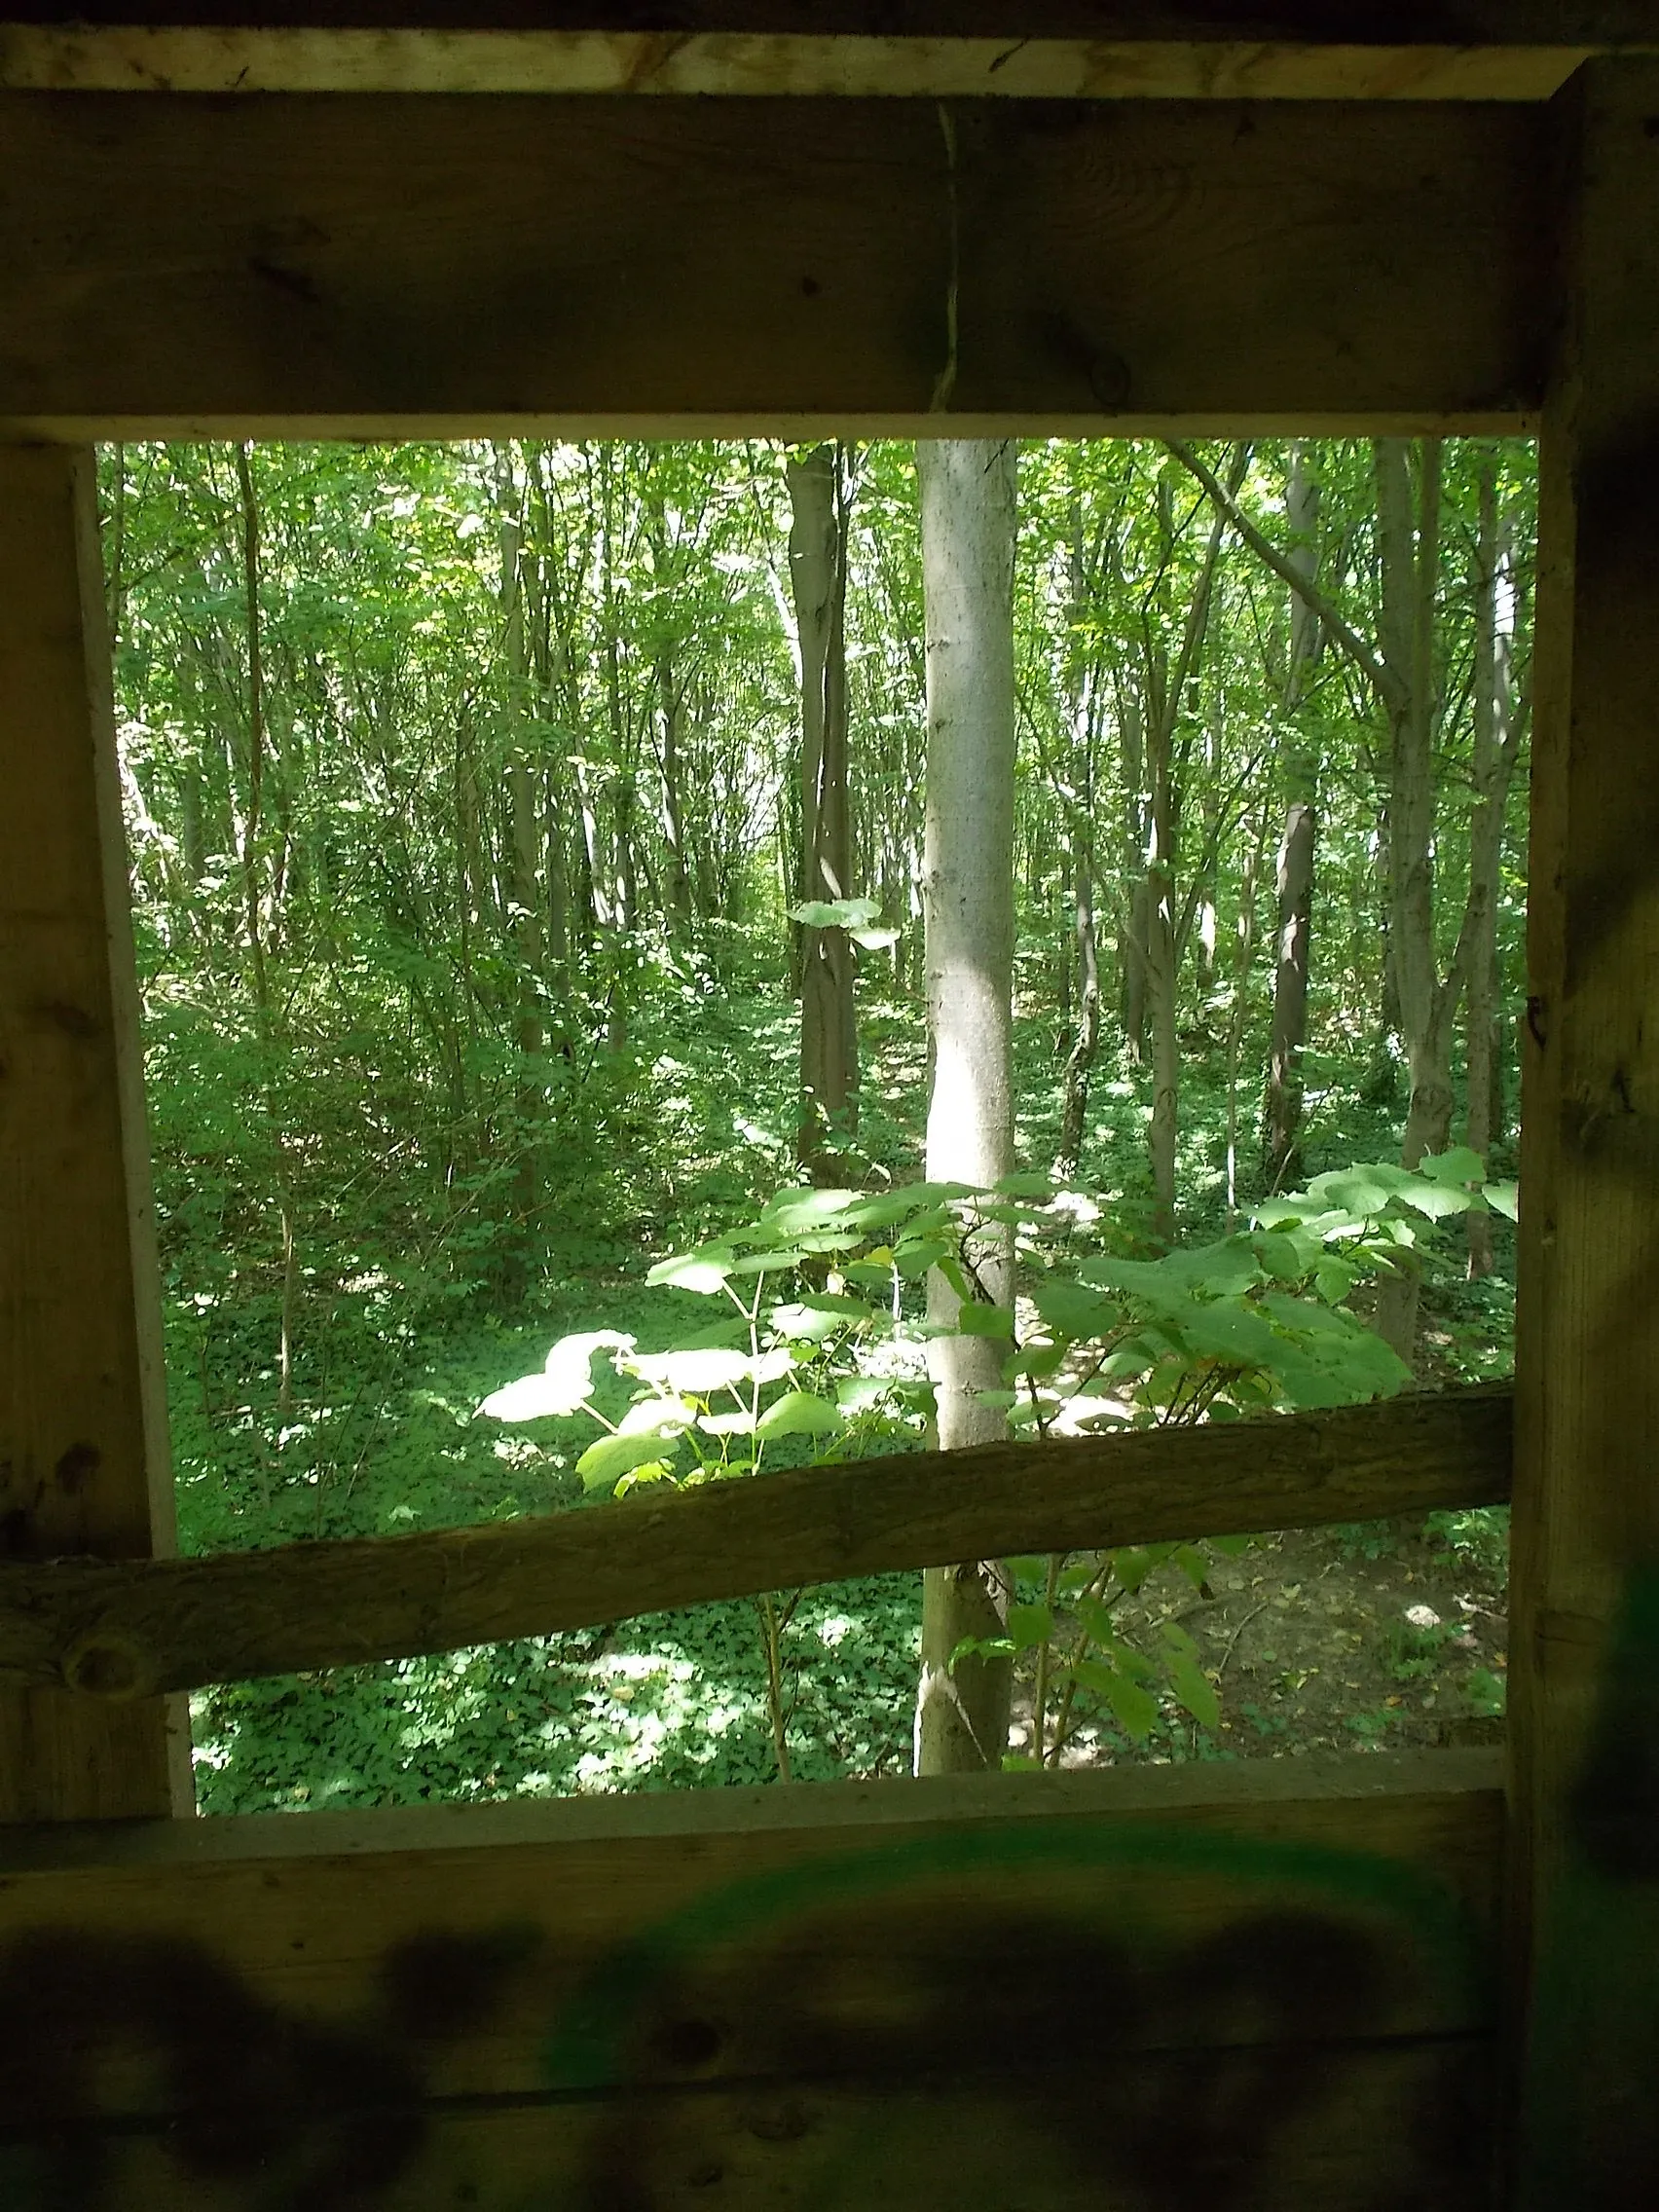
(1378, 1635)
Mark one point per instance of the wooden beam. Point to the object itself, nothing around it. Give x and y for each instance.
(432, 265)
(84, 1461)
(468, 2001)
(1586, 1499)
(237, 59)
(128, 1630)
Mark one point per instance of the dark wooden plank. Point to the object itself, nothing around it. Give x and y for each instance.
(296, 264)
(1586, 1502)
(601, 2002)
(1158, 22)
(612, 1901)
(1342, 2129)
(123, 1630)
(807, 59)
(83, 1461)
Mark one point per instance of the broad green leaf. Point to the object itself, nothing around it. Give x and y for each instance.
(1081, 1314)
(563, 1385)
(977, 1320)
(608, 1457)
(836, 913)
(1438, 1200)
(1196, 1691)
(705, 1270)
(1504, 1199)
(1029, 1625)
(741, 1423)
(698, 1373)
(1133, 1707)
(1460, 1164)
(798, 1413)
(656, 1416)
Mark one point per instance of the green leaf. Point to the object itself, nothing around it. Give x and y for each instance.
(704, 1270)
(974, 1318)
(698, 1373)
(608, 1457)
(564, 1384)
(1193, 1564)
(1196, 1691)
(1078, 1313)
(1029, 1626)
(656, 1416)
(1504, 1199)
(1460, 1164)
(798, 1413)
(1134, 1709)
(836, 913)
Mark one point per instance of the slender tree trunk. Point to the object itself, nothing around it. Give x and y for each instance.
(676, 878)
(1161, 977)
(254, 923)
(1499, 725)
(817, 578)
(1134, 928)
(1409, 546)
(1295, 884)
(1079, 797)
(967, 497)
(524, 855)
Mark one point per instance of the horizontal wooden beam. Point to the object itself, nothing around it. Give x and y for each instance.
(237, 59)
(358, 265)
(129, 1628)
(543, 2002)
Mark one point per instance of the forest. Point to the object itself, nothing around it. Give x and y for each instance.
(665, 961)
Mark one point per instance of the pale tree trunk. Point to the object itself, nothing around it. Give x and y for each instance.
(1499, 725)
(1167, 931)
(1133, 929)
(253, 909)
(524, 854)
(968, 500)
(1408, 529)
(1162, 967)
(1295, 886)
(1077, 798)
(817, 578)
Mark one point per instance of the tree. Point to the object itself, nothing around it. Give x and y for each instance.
(969, 511)
(818, 487)
(1295, 874)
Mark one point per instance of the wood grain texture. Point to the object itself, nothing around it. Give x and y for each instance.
(306, 264)
(84, 1461)
(170, 1624)
(1586, 1502)
(801, 63)
(589, 1994)
(1157, 22)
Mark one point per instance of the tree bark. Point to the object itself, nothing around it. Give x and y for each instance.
(1295, 882)
(524, 854)
(1498, 727)
(967, 502)
(817, 578)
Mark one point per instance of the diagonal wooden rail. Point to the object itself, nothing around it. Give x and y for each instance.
(120, 1628)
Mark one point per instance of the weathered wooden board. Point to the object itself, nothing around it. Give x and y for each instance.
(1586, 1499)
(338, 262)
(801, 61)
(120, 1631)
(84, 1461)
(1140, 1987)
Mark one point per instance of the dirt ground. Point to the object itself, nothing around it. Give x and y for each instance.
(1372, 1637)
